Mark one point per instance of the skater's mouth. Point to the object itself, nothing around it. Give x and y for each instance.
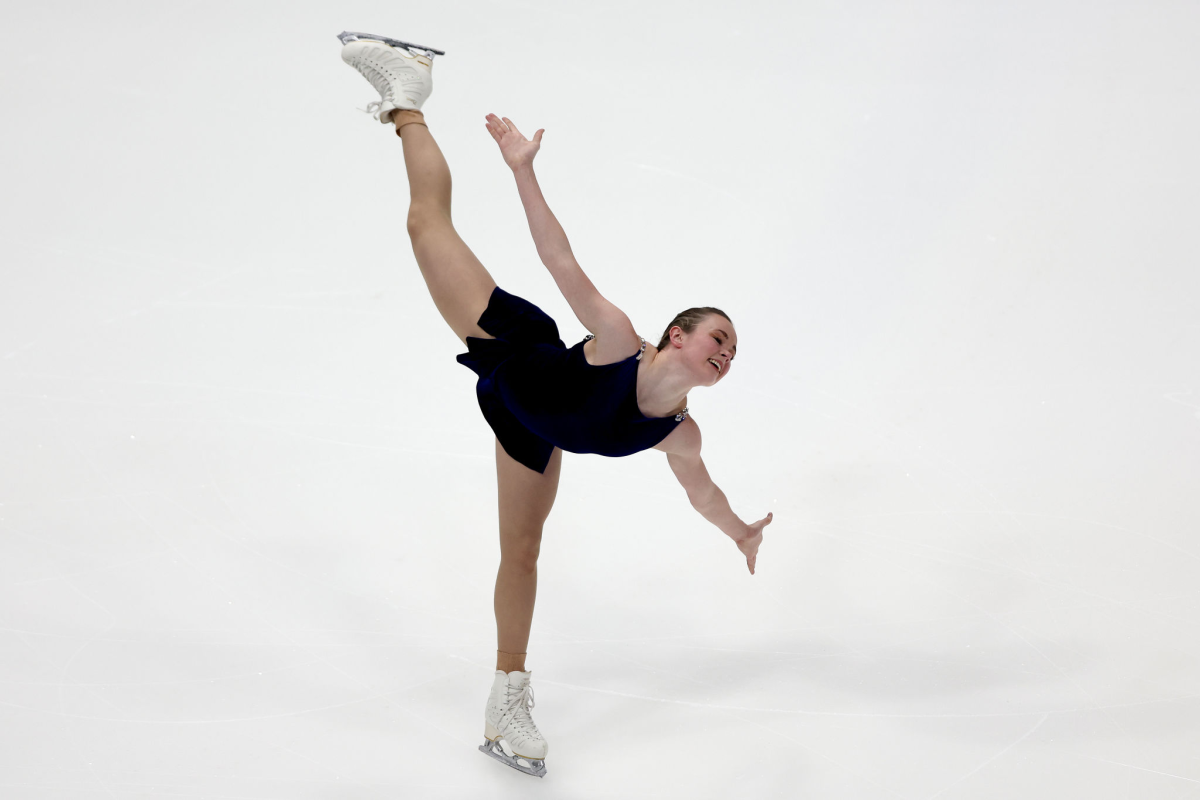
(715, 364)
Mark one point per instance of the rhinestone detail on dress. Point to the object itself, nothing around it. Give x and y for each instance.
(641, 352)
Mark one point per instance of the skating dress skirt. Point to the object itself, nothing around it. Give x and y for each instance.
(538, 394)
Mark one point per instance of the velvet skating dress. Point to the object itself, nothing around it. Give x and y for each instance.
(538, 394)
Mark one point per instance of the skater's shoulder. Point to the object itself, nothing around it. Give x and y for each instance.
(613, 340)
(683, 441)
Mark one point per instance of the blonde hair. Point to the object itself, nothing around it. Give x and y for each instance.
(688, 320)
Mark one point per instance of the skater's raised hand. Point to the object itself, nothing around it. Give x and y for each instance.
(515, 148)
(753, 537)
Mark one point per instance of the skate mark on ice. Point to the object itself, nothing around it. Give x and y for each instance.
(1143, 769)
(962, 778)
(853, 769)
(869, 715)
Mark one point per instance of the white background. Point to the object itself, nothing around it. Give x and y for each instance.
(248, 532)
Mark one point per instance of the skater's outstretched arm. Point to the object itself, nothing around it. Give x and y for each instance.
(714, 507)
(707, 498)
(596, 313)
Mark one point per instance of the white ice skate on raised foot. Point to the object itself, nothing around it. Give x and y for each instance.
(401, 72)
(506, 721)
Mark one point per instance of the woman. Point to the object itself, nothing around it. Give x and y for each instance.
(609, 394)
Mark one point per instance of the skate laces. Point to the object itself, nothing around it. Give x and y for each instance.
(523, 702)
(381, 84)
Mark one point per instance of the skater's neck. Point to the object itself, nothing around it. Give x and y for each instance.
(662, 390)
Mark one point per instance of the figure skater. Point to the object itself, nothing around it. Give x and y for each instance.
(609, 394)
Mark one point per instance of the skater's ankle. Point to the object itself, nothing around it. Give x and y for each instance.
(510, 662)
(403, 116)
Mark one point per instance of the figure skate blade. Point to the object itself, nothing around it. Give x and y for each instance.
(536, 768)
(351, 36)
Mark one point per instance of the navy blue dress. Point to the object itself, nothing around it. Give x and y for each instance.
(538, 394)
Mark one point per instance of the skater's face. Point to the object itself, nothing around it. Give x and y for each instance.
(714, 339)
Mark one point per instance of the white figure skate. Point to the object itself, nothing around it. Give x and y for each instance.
(401, 72)
(507, 722)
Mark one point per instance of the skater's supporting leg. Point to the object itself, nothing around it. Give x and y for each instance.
(525, 499)
(459, 284)
(510, 662)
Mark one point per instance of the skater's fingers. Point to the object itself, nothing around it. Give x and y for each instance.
(496, 130)
(509, 123)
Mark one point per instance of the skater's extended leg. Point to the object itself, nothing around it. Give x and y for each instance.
(526, 497)
(459, 284)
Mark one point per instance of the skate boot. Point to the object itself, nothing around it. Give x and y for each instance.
(401, 72)
(510, 735)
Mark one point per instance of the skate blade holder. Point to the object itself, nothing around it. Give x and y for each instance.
(352, 36)
(536, 768)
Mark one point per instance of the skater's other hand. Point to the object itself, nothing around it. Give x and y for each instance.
(516, 149)
(752, 538)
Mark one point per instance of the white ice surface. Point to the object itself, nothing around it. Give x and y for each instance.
(247, 501)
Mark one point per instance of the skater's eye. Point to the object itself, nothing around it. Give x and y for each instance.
(718, 340)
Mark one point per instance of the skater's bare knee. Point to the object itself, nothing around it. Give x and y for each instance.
(519, 552)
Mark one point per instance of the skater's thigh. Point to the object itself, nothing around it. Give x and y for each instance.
(457, 281)
(526, 496)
